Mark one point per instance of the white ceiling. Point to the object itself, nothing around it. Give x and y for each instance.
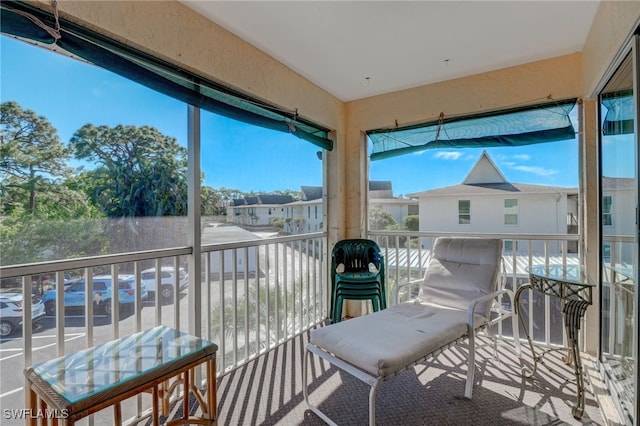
(356, 49)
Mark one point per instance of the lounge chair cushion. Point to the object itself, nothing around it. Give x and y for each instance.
(386, 341)
(461, 270)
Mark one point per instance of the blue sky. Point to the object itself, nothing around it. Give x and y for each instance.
(234, 155)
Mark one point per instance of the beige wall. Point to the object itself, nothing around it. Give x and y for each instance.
(506, 88)
(611, 27)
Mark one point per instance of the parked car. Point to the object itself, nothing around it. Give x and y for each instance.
(167, 282)
(11, 312)
(74, 294)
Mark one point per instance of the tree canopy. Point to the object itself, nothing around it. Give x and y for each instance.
(34, 164)
(140, 171)
(50, 210)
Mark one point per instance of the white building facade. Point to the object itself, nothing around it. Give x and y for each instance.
(485, 202)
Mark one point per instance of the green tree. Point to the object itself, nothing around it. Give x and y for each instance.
(44, 212)
(380, 219)
(412, 222)
(140, 171)
(210, 201)
(34, 164)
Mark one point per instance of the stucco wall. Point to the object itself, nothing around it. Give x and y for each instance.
(612, 25)
(532, 83)
(440, 213)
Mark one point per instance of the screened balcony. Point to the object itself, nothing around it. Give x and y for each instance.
(258, 301)
(260, 315)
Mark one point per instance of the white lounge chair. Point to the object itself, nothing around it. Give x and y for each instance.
(456, 299)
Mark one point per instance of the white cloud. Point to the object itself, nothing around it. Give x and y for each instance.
(522, 157)
(540, 171)
(448, 155)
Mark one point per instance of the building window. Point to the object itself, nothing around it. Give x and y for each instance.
(316, 211)
(464, 212)
(508, 245)
(511, 211)
(607, 204)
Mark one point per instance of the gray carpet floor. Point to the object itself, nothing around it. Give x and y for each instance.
(268, 391)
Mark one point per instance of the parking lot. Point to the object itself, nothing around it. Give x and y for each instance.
(12, 395)
(44, 340)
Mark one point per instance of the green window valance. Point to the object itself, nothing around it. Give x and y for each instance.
(547, 122)
(620, 116)
(32, 24)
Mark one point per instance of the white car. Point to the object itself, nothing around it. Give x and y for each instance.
(167, 282)
(11, 312)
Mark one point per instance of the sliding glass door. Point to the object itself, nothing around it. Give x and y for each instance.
(619, 236)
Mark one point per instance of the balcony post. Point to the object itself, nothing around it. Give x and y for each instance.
(589, 229)
(193, 222)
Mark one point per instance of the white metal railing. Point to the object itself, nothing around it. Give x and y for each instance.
(406, 255)
(263, 293)
(255, 295)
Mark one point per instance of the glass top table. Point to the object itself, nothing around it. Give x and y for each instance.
(83, 382)
(571, 284)
(564, 281)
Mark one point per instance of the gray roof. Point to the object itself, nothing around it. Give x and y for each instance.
(611, 183)
(379, 185)
(251, 200)
(494, 189)
(274, 199)
(311, 192)
(239, 202)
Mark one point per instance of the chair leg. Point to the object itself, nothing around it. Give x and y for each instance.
(332, 307)
(383, 297)
(372, 402)
(468, 391)
(337, 314)
(375, 301)
(305, 391)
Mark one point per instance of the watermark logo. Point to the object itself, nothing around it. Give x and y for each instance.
(28, 413)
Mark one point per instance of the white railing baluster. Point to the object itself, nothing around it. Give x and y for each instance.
(115, 309)
(176, 292)
(234, 288)
(223, 334)
(206, 262)
(247, 297)
(277, 291)
(157, 304)
(257, 285)
(267, 287)
(285, 298)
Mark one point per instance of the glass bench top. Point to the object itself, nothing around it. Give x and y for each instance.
(79, 375)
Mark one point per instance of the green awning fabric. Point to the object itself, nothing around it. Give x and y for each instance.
(620, 115)
(547, 122)
(17, 19)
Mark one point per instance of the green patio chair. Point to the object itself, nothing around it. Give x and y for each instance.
(357, 273)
